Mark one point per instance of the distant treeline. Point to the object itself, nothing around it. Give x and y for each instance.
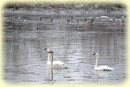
(111, 6)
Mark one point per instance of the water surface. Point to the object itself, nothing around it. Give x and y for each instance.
(73, 44)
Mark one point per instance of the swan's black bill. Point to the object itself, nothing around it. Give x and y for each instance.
(94, 54)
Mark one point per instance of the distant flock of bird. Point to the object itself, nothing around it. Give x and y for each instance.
(69, 20)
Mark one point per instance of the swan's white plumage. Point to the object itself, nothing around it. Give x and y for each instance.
(103, 68)
(54, 64)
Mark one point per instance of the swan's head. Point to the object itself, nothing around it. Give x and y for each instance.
(47, 49)
(95, 53)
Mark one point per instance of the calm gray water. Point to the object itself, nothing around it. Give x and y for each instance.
(73, 44)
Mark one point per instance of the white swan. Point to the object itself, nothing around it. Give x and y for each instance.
(103, 68)
(54, 64)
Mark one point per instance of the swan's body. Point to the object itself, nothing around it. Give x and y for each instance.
(54, 64)
(102, 68)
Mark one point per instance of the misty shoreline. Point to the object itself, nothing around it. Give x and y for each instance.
(66, 9)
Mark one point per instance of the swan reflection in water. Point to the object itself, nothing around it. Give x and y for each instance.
(96, 73)
(50, 73)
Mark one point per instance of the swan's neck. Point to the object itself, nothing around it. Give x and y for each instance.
(96, 63)
(48, 50)
(49, 55)
(52, 59)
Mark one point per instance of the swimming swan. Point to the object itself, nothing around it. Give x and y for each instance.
(103, 68)
(54, 64)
